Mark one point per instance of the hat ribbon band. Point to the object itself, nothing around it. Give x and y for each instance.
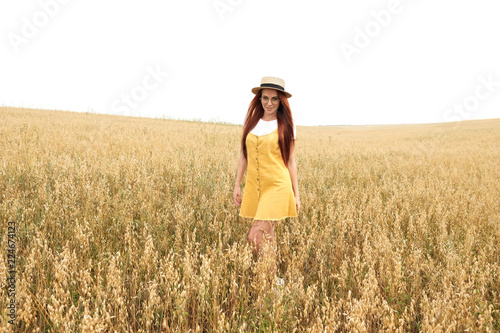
(270, 85)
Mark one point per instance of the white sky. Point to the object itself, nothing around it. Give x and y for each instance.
(89, 55)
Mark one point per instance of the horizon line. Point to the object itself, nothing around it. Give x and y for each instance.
(220, 122)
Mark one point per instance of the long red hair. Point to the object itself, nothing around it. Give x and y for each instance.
(285, 124)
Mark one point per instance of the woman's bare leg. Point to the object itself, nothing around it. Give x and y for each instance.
(261, 236)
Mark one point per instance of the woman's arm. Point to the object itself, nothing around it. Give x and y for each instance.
(292, 168)
(242, 166)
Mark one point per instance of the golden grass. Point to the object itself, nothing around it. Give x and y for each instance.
(127, 224)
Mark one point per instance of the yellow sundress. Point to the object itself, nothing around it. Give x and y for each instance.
(268, 193)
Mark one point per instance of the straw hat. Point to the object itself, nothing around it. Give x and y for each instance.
(270, 82)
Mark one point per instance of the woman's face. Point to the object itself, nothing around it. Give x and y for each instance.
(270, 101)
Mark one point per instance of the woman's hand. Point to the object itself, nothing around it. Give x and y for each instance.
(297, 203)
(237, 196)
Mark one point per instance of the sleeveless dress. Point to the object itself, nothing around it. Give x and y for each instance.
(268, 193)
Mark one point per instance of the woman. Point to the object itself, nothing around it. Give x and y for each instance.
(268, 142)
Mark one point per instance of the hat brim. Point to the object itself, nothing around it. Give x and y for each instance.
(256, 90)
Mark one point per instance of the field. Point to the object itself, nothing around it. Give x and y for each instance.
(128, 224)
